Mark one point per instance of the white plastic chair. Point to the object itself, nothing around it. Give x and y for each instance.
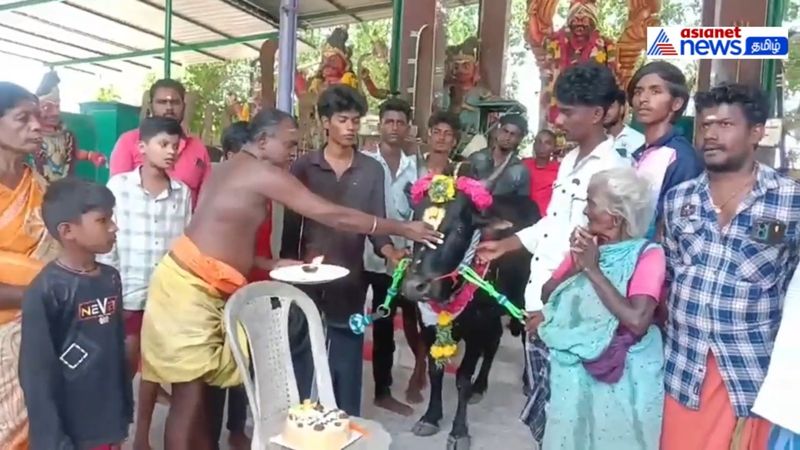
(262, 309)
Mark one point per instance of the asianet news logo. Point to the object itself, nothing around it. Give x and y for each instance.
(718, 42)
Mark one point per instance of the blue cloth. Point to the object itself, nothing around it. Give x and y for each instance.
(585, 413)
(537, 373)
(783, 439)
(686, 166)
(727, 286)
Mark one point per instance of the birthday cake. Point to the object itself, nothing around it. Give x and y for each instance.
(311, 426)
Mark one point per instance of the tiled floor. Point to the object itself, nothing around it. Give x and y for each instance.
(493, 422)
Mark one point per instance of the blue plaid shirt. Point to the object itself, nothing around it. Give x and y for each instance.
(728, 284)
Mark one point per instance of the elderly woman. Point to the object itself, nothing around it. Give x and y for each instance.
(606, 357)
(24, 245)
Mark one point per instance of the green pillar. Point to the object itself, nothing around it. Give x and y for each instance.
(776, 10)
(397, 42)
(167, 38)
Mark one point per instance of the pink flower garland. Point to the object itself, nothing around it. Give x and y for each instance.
(477, 192)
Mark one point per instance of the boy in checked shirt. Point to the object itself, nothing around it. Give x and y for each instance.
(152, 210)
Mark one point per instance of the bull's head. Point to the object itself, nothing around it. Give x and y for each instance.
(457, 207)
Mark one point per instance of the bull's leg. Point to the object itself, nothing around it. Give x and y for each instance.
(493, 335)
(428, 425)
(459, 435)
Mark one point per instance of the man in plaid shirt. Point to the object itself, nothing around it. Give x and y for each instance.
(731, 238)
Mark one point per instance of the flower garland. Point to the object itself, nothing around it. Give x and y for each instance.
(444, 347)
(441, 189)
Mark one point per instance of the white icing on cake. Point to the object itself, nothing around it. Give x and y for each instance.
(310, 426)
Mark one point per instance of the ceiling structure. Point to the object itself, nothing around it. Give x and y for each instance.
(96, 36)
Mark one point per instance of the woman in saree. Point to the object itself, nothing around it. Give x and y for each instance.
(606, 356)
(25, 246)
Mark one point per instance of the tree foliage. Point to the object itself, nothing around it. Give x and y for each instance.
(107, 94)
(210, 84)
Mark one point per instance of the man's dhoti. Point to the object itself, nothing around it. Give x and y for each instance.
(183, 336)
(714, 426)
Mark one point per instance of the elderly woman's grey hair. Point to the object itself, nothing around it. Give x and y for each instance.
(623, 193)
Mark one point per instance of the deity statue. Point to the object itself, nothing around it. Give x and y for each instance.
(59, 151)
(581, 41)
(335, 68)
(463, 88)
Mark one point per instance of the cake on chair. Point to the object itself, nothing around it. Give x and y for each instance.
(311, 426)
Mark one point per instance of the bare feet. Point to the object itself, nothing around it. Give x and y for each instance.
(239, 441)
(394, 405)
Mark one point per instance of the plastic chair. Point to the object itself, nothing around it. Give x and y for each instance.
(262, 309)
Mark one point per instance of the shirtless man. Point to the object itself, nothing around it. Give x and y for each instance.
(181, 341)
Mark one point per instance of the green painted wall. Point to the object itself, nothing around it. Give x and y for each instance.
(97, 128)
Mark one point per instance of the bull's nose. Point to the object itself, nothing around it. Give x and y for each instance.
(416, 289)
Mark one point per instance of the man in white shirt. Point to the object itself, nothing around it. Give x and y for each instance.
(626, 139)
(780, 394)
(584, 94)
(400, 172)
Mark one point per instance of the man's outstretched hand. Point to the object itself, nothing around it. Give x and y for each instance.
(423, 233)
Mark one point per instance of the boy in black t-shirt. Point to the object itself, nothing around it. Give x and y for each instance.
(72, 357)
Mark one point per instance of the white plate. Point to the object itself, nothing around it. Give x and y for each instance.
(354, 436)
(325, 273)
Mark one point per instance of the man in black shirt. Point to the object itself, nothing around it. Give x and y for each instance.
(515, 179)
(349, 178)
(73, 369)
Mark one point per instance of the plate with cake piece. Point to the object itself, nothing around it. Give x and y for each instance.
(311, 426)
(312, 273)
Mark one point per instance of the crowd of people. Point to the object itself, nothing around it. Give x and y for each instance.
(659, 305)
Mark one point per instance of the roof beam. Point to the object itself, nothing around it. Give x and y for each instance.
(85, 34)
(58, 41)
(194, 22)
(177, 49)
(350, 12)
(135, 27)
(31, 58)
(255, 11)
(24, 3)
(39, 49)
(343, 10)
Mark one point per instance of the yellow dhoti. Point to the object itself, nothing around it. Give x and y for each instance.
(183, 336)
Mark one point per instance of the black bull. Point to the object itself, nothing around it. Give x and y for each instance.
(479, 325)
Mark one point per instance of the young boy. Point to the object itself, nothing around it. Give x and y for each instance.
(344, 176)
(626, 139)
(543, 168)
(72, 355)
(659, 96)
(152, 210)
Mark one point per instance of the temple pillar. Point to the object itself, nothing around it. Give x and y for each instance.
(728, 13)
(495, 15)
(417, 58)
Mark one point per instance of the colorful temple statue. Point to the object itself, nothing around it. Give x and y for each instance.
(581, 41)
(59, 151)
(463, 89)
(335, 68)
